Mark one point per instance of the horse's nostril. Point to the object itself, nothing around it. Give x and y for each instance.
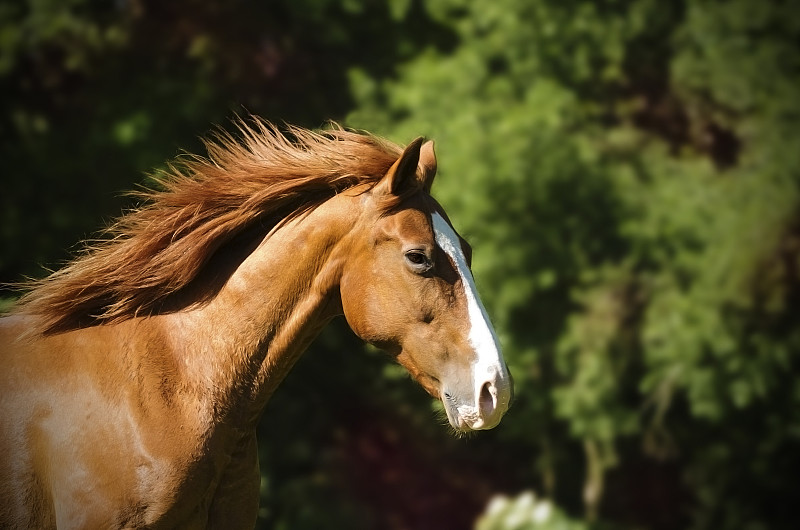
(486, 400)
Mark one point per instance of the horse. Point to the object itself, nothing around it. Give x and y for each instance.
(133, 378)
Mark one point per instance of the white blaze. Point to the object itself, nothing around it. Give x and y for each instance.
(489, 363)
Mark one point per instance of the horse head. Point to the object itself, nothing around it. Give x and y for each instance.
(407, 288)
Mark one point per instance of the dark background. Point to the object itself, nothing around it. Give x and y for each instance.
(627, 172)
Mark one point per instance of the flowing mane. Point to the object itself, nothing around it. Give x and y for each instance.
(202, 203)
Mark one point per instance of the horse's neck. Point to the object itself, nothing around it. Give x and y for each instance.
(246, 339)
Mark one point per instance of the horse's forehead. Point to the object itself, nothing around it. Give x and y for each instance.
(413, 223)
(412, 219)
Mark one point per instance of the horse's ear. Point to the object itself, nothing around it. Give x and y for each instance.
(403, 173)
(415, 168)
(426, 168)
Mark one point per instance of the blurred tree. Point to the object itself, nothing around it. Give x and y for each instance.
(627, 172)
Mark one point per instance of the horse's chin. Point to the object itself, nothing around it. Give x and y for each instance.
(465, 418)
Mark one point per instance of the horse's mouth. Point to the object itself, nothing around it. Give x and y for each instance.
(465, 417)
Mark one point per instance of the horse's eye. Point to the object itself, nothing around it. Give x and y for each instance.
(417, 258)
(418, 261)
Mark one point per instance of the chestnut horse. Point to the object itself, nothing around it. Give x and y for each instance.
(133, 378)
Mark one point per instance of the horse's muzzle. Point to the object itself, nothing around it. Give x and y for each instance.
(484, 405)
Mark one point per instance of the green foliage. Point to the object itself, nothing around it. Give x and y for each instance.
(626, 170)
